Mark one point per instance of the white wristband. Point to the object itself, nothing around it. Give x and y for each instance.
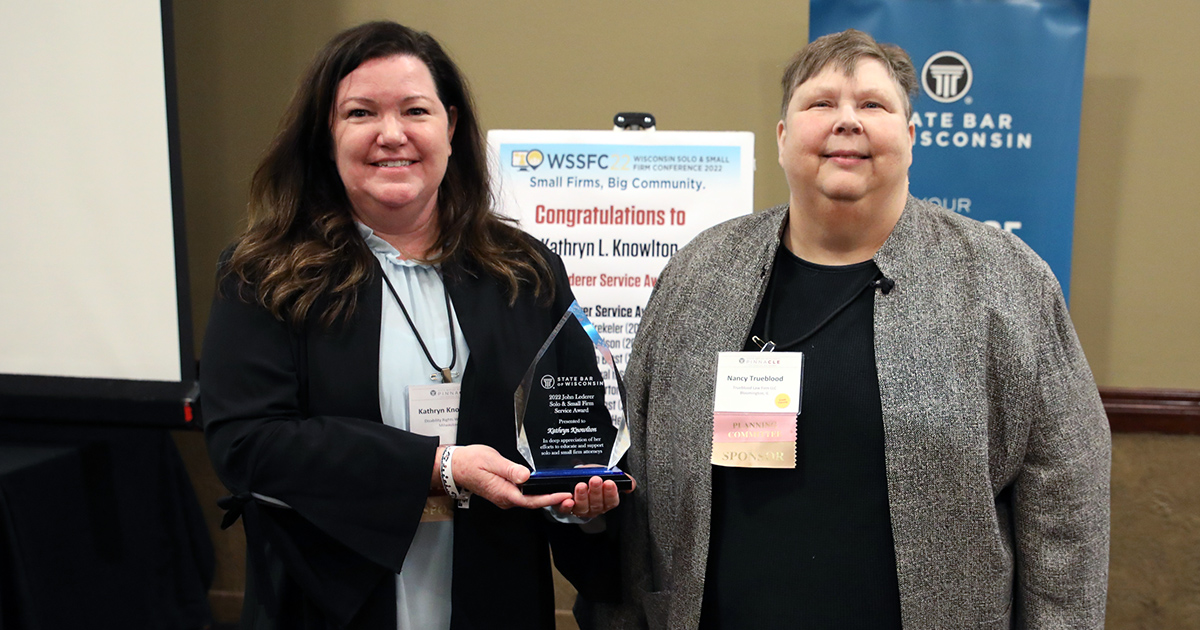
(462, 497)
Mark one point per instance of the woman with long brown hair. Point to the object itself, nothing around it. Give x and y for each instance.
(374, 272)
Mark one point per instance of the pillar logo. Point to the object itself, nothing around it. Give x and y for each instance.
(525, 160)
(947, 76)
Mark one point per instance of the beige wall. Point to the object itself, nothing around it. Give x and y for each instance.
(707, 65)
(1137, 216)
(715, 66)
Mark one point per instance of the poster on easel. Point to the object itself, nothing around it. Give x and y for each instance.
(616, 205)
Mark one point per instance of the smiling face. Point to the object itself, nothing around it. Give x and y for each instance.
(391, 137)
(845, 138)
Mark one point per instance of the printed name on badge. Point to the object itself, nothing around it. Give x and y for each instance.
(433, 410)
(757, 399)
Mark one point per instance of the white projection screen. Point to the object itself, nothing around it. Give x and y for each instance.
(95, 319)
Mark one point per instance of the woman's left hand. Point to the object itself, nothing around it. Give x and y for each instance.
(592, 499)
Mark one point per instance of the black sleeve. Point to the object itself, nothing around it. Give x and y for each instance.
(359, 482)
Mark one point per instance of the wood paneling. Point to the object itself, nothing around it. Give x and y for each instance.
(1175, 411)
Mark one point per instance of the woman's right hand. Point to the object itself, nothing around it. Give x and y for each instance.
(485, 472)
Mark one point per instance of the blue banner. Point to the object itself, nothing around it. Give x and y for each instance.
(997, 118)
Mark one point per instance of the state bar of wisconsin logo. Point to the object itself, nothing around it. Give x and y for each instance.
(947, 76)
(547, 382)
(525, 160)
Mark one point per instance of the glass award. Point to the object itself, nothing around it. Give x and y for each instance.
(570, 410)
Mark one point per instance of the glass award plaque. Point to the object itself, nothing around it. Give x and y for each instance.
(570, 410)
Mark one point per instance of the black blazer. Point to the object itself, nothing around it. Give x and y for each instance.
(293, 413)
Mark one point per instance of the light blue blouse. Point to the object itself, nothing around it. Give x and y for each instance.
(423, 584)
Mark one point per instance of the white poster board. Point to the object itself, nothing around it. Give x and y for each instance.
(96, 318)
(616, 205)
(87, 237)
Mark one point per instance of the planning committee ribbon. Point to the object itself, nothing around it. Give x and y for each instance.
(755, 406)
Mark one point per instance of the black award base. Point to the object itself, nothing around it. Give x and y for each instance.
(564, 480)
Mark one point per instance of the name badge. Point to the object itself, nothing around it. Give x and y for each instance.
(433, 411)
(757, 399)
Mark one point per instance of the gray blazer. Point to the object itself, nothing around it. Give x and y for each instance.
(997, 446)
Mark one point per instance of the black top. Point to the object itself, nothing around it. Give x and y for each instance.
(811, 547)
(292, 412)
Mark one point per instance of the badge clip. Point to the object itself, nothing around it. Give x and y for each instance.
(763, 346)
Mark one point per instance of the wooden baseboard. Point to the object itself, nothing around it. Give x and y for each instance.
(1174, 411)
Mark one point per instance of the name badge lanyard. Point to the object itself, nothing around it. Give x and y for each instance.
(771, 346)
(446, 374)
